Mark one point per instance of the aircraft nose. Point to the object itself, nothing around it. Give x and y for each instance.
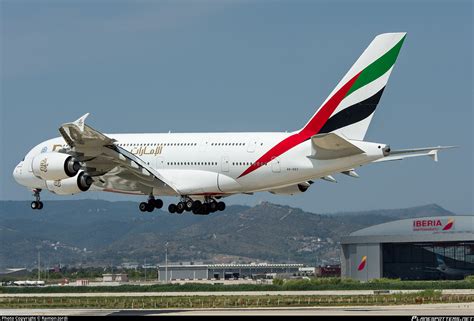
(17, 172)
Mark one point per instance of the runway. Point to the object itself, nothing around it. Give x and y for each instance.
(445, 309)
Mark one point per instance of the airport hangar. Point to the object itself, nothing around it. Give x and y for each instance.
(425, 248)
(175, 272)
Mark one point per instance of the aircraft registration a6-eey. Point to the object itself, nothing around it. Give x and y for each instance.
(202, 168)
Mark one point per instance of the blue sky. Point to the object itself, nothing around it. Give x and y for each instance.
(200, 66)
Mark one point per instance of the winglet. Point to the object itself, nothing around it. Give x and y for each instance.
(81, 121)
(78, 133)
(434, 153)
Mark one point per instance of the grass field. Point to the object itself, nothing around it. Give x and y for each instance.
(424, 297)
(278, 285)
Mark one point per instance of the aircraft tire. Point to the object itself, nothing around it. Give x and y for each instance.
(189, 205)
(181, 206)
(143, 206)
(150, 207)
(197, 205)
(172, 208)
(158, 203)
(221, 206)
(213, 206)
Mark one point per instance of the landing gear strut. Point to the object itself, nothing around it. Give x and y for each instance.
(151, 204)
(36, 204)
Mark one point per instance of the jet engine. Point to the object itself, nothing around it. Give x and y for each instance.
(292, 189)
(54, 166)
(69, 186)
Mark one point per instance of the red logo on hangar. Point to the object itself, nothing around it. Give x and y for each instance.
(362, 263)
(433, 224)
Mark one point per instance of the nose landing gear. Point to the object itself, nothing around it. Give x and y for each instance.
(36, 204)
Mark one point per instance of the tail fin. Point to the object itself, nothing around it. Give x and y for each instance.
(349, 108)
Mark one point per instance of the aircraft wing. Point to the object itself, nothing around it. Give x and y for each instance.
(111, 166)
(415, 152)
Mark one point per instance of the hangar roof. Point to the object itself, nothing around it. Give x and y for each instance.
(421, 229)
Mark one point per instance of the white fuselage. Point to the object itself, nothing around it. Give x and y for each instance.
(200, 168)
(213, 163)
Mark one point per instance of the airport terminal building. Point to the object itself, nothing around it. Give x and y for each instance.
(426, 248)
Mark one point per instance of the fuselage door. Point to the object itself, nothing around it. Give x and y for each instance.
(251, 146)
(159, 162)
(203, 144)
(276, 165)
(225, 163)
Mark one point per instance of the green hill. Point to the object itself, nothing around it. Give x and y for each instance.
(94, 232)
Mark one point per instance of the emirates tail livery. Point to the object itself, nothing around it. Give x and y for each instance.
(202, 168)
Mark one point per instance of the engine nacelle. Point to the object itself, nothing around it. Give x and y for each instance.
(54, 166)
(69, 186)
(292, 189)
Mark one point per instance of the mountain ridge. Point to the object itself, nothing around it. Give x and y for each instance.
(97, 232)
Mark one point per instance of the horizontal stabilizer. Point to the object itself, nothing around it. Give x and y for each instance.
(414, 152)
(332, 146)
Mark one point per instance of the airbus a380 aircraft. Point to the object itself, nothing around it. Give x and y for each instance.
(202, 168)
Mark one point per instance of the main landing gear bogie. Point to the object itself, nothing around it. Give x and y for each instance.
(197, 207)
(186, 204)
(150, 205)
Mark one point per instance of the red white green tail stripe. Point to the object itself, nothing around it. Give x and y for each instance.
(350, 107)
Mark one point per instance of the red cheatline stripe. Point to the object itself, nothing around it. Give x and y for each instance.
(312, 128)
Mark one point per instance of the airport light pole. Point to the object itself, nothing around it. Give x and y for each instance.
(145, 269)
(166, 262)
(39, 264)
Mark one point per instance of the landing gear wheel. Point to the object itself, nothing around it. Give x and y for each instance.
(189, 205)
(150, 205)
(158, 203)
(36, 204)
(197, 206)
(172, 208)
(179, 211)
(181, 207)
(143, 206)
(221, 206)
(205, 208)
(213, 206)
